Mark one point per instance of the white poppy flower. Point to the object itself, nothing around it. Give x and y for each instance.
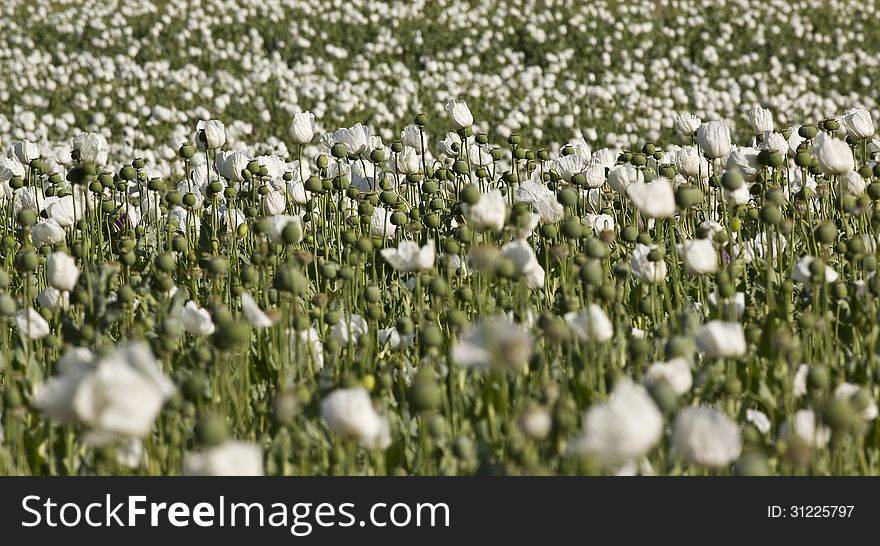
(706, 437)
(350, 412)
(231, 458)
(408, 256)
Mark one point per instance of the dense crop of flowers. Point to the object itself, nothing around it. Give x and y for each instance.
(260, 238)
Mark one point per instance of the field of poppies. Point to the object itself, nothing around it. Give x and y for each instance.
(439, 238)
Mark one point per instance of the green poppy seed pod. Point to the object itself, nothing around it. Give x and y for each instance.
(165, 263)
(171, 327)
(771, 215)
(397, 146)
(388, 197)
(866, 171)
(173, 198)
(314, 185)
(818, 377)
(497, 154)
(431, 336)
(592, 274)
(649, 148)
(127, 173)
(597, 249)
(26, 217)
(572, 228)
(548, 231)
(839, 415)
(460, 167)
(803, 159)
(377, 155)
(514, 139)
(322, 162)
(664, 396)
(421, 119)
(567, 197)
(638, 347)
(839, 291)
(752, 464)
(27, 261)
(832, 125)
(639, 160)
(542, 154)
(726, 289)
(848, 202)
(732, 180)
(212, 431)
(8, 306)
(519, 153)
(826, 232)
(808, 131)
(505, 268)
(17, 182)
(656, 254)
(339, 151)
(470, 194)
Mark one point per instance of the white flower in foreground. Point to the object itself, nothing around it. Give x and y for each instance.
(759, 419)
(196, 320)
(687, 124)
(231, 458)
(525, 263)
(412, 137)
(409, 256)
(303, 128)
(47, 232)
(541, 198)
(853, 183)
(745, 161)
(53, 299)
(252, 312)
(214, 135)
(858, 123)
(799, 384)
(721, 339)
(459, 114)
(774, 142)
(643, 268)
(488, 213)
(10, 167)
(676, 372)
(802, 272)
(380, 224)
(621, 176)
(495, 343)
(31, 324)
(848, 392)
(231, 164)
(63, 212)
(714, 139)
(706, 437)
(760, 120)
(120, 394)
(536, 422)
(408, 161)
(350, 412)
(806, 430)
(622, 429)
(308, 342)
(356, 139)
(25, 151)
(655, 199)
(834, 155)
(91, 148)
(591, 324)
(349, 328)
(61, 271)
(600, 222)
(689, 162)
(699, 255)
